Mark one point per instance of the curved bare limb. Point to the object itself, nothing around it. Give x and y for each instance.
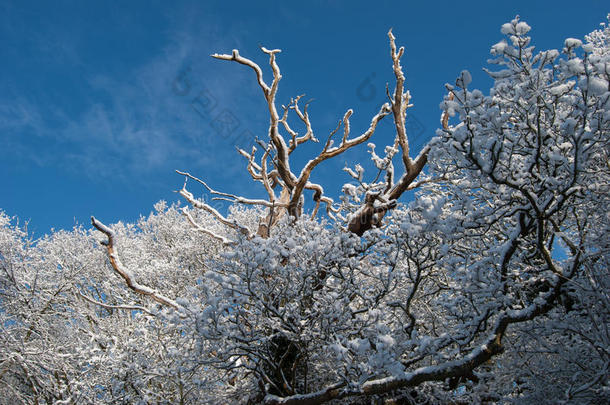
(124, 272)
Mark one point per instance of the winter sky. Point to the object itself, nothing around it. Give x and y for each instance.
(100, 103)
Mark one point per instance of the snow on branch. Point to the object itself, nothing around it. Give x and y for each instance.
(269, 92)
(221, 196)
(328, 151)
(304, 117)
(272, 203)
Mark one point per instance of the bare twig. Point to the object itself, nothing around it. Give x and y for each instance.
(206, 231)
(123, 307)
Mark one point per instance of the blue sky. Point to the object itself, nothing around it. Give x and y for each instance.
(100, 104)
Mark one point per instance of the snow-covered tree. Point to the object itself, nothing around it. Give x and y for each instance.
(491, 286)
(73, 333)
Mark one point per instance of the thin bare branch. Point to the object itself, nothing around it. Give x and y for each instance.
(304, 117)
(206, 231)
(253, 168)
(222, 196)
(122, 307)
(235, 56)
(269, 92)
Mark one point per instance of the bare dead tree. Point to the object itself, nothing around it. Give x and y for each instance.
(273, 168)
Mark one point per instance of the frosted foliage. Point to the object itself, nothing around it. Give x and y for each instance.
(491, 286)
(57, 344)
(528, 164)
(598, 42)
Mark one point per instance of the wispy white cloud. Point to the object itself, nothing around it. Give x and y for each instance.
(137, 123)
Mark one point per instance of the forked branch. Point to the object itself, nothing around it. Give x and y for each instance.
(371, 213)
